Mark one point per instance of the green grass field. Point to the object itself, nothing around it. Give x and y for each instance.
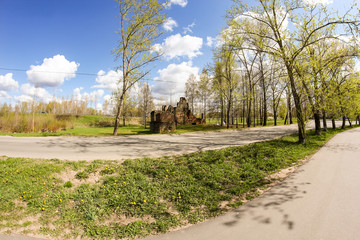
(112, 200)
(103, 126)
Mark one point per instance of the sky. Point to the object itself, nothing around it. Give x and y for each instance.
(63, 48)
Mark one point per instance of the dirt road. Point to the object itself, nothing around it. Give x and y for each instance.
(129, 147)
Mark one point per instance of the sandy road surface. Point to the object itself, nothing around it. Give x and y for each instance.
(125, 147)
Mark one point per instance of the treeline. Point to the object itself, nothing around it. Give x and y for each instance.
(59, 114)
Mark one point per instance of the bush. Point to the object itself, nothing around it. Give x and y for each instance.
(68, 184)
(82, 175)
(64, 117)
(23, 122)
(105, 122)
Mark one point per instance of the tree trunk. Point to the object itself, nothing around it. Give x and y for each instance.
(289, 109)
(118, 114)
(254, 109)
(145, 120)
(222, 112)
(333, 123)
(349, 122)
(343, 122)
(243, 114)
(275, 118)
(324, 121)
(228, 110)
(248, 117)
(298, 107)
(317, 122)
(237, 123)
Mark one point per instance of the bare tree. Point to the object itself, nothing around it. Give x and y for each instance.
(146, 101)
(191, 90)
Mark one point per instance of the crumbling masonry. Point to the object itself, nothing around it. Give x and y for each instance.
(167, 119)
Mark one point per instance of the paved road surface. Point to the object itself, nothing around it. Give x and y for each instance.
(117, 148)
(321, 200)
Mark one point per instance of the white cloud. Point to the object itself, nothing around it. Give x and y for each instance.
(315, 2)
(189, 28)
(23, 98)
(181, 3)
(95, 95)
(108, 97)
(99, 106)
(170, 24)
(181, 46)
(52, 72)
(39, 93)
(171, 80)
(4, 95)
(7, 83)
(109, 80)
(210, 41)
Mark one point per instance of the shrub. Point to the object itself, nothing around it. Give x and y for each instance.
(82, 175)
(68, 184)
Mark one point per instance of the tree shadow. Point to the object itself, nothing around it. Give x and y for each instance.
(262, 209)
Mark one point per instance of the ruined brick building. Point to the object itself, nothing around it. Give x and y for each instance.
(169, 117)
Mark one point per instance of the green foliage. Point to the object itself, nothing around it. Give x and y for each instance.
(82, 175)
(68, 184)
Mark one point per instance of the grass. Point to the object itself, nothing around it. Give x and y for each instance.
(112, 200)
(96, 126)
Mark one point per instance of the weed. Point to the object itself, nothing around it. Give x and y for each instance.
(82, 175)
(68, 184)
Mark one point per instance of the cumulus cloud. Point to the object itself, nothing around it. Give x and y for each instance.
(23, 98)
(315, 2)
(109, 80)
(95, 95)
(181, 3)
(171, 80)
(29, 91)
(170, 24)
(7, 83)
(4, 95)
(180, 46)
(52, 72)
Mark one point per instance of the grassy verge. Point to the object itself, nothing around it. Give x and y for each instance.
(88, 126)
(111, 200)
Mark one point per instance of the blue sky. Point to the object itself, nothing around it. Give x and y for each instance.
(81, 34)
(77, 36)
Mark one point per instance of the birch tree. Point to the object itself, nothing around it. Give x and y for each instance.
(140, 21)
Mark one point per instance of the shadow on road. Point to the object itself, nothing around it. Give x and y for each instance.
(263, 209)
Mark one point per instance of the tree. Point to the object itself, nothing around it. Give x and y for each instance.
(140, 22)
(146, 103)
(218, 87)
(204, 90)
(191, 90)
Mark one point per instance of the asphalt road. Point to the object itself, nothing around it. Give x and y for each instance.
(129, 147)
(319, 201)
